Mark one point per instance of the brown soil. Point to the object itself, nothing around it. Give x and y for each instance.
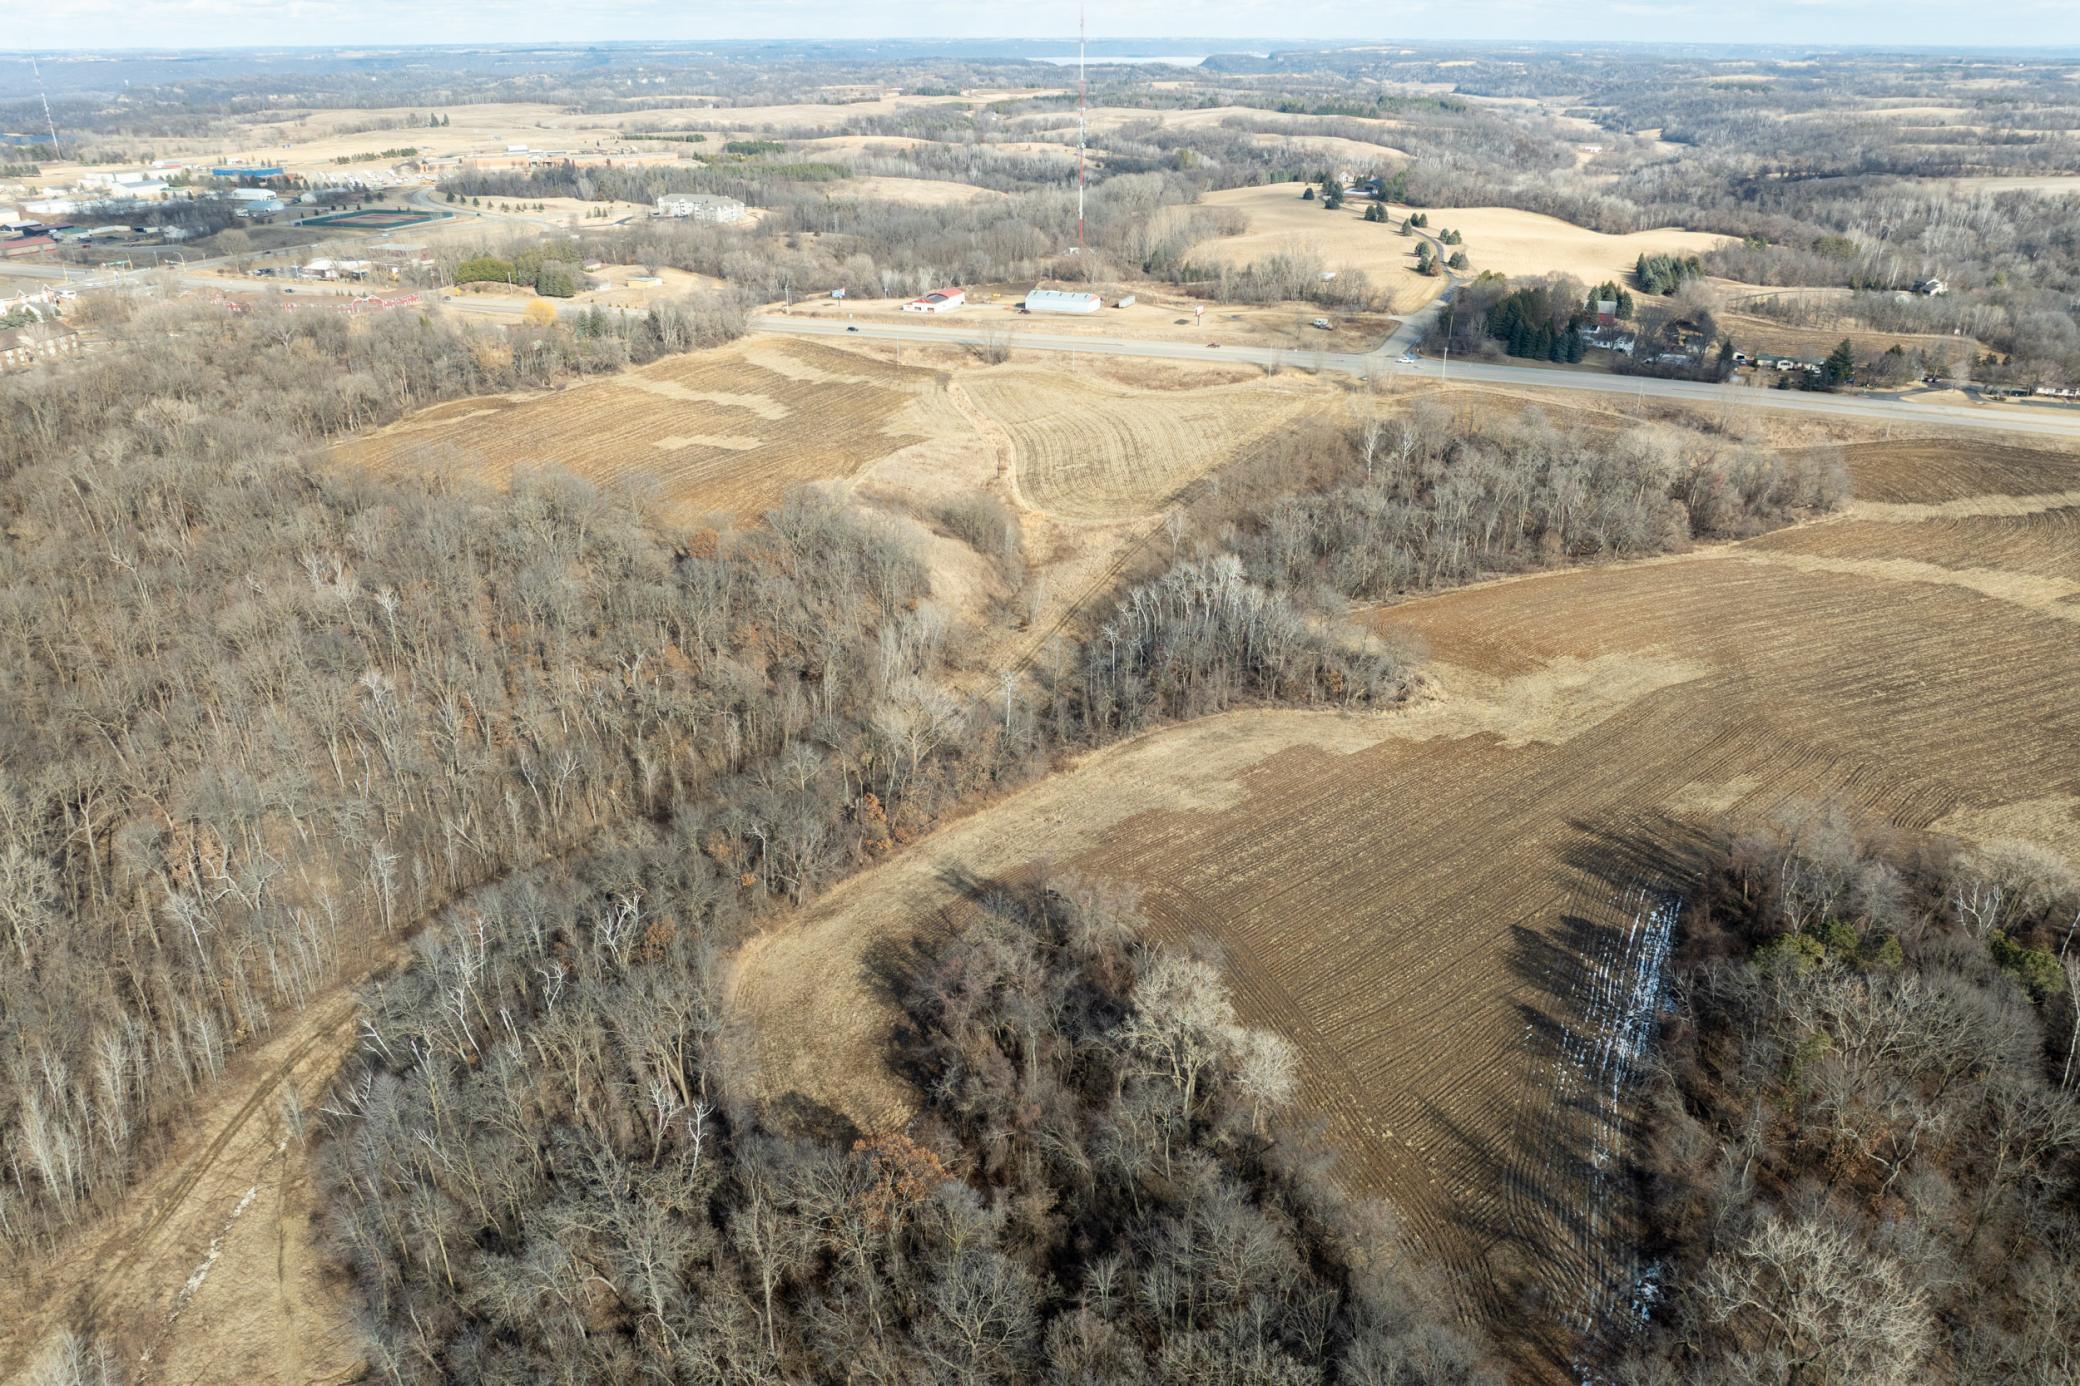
(1430, 902)
(729, 430)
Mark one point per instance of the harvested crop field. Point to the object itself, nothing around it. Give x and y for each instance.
(1458, 911)
(1950, 473)
(1091, 450)
(725, 430)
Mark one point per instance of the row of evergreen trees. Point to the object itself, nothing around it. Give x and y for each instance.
(1531, 324)
(1664, 274)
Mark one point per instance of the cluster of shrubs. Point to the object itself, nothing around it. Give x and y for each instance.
(539, 1168)
(1864, 1153)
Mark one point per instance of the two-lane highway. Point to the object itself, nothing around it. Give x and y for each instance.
(1382, 363)
(1386, 362)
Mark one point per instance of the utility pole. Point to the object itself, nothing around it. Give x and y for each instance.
(1451, 302)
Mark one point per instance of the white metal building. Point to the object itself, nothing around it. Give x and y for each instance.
(700, 207)
(1062, 301)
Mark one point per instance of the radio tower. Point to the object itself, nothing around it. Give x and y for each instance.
(1082, 109)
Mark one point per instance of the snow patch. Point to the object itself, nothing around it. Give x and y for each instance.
(1619, 997)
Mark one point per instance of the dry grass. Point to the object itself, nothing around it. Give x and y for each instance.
(1497, 238)
(1157, 314)
(795, 116)
(619, 292)
(1427, 902)
(2062, 184)
(921, 192)
(1774, 338)
(210, 1270)
(1105, 118)
(1088, 450)
(1356, 154)
(309, 141)
(728, 430)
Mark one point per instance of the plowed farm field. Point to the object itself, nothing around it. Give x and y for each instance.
(1090, 449)
(727, 430)
(1459, 910)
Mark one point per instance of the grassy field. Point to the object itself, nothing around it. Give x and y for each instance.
(2061, 184)
(1452, 909)
(323, 141)
(1752, 333)
(919, 192)
(1157, 314)
(1497, 238)
(729, 430)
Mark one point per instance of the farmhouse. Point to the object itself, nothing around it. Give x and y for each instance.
(938, 301)
(1062, 301)
(700, 207)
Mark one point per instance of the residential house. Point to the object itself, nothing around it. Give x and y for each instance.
(23, 347)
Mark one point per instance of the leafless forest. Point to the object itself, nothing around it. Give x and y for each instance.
(528, 764)
(1863, 1123)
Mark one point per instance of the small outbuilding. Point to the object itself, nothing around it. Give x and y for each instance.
(938, 301)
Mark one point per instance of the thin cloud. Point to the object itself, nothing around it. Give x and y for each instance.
(229, 23)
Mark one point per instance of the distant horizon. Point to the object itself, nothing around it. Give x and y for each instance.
(247, 25)
(1202, 45)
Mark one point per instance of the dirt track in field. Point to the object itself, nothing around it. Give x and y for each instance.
(1089, 449)
(209, 1271)
(1457, 910)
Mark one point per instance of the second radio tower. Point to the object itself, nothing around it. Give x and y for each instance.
(1082, 111)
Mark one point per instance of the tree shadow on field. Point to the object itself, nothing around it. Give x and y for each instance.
(907, 972)
(1560, 1233)
(801, 1117)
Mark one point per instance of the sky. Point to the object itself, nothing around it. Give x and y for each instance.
(46, 24)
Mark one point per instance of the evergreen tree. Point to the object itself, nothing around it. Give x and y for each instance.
(1840, 366)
